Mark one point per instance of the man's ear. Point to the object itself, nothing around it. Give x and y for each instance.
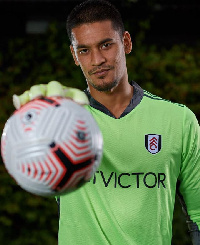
(74, 55)
(127, 42)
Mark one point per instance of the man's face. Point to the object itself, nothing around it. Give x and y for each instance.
(100, 52)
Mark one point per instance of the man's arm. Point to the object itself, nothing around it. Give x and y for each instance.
(192, 226)
(189, 179)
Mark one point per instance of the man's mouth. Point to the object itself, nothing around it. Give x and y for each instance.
(100, 71)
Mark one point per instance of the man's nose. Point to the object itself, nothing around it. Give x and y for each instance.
(97, 57)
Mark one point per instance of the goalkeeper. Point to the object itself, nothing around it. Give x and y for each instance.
(151, 146)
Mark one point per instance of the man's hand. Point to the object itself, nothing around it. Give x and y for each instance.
(51, 89)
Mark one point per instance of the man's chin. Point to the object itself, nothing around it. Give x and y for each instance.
(105, 86)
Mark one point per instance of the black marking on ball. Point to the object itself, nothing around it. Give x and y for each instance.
(50, 101)
(29, 116)
(70, 166)
(52, 145)
(81, 135)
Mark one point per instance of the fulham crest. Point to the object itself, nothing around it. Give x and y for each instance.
(153, 143)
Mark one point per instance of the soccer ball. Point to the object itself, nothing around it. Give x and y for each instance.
(51, 146)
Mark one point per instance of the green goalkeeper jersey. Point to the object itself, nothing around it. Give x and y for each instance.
(130, 199)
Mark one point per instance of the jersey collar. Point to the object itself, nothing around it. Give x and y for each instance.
(136, 99)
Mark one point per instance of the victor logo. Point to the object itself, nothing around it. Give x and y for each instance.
(153, 143)
(130, 180)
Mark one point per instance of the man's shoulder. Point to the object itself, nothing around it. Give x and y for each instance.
(163, 108)
(157, 105)
(161, 102)
(156, 101)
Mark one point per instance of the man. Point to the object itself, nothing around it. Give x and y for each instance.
(151, 146)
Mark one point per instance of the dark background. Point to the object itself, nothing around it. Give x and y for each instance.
(34, 49)
(171, 21)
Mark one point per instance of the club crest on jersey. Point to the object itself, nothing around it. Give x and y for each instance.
(153, 143)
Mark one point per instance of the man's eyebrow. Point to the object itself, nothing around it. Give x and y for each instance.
(106, 40)
(82, 46)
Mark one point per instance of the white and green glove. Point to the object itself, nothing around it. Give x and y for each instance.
(51, 89)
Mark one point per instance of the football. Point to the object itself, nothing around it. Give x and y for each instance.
(51, 146)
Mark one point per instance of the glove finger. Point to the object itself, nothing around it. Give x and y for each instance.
(37, 90)
(20, 100)
(54, 88)
(77, 95)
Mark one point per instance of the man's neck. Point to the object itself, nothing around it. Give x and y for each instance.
(116, 100)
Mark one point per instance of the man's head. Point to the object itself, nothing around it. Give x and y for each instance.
(91, 11)
(99, 44)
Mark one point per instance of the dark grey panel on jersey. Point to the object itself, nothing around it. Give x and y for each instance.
(136, 99)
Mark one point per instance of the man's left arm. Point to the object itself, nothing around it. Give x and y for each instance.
(189, 179)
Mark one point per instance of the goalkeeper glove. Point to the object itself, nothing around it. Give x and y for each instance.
(51, 89)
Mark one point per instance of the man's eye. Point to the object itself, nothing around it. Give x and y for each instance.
(83, 51)
(106, 45)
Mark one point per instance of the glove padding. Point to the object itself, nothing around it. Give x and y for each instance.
(51, 89)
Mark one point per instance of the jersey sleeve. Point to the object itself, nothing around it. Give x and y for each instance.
(189, 177)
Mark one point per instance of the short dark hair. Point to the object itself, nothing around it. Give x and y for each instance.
(91, 11)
